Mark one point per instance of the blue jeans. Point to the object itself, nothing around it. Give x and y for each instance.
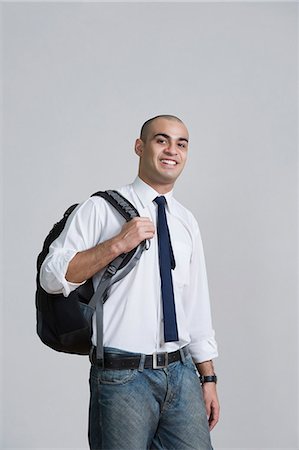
(142, 409)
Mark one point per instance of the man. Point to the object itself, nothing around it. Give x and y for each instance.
(157, 322)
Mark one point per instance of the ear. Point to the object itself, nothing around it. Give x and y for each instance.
(139, 147)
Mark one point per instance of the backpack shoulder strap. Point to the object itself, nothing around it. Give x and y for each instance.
(128, 211)
(118, 268)
(120, 203)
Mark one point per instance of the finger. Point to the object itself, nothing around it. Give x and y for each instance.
(212, 423)
(141, 219)
(214, 417)
(140, 222)
(208, 409)
(145, 230)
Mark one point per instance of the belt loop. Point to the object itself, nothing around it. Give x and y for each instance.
(141, 363)
(183, 356)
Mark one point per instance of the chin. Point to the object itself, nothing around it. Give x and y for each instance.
(170, 176)
(168, 180)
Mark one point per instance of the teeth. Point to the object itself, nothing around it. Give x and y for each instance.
(168, 161)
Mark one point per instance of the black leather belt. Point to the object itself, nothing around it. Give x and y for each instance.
(119, 361)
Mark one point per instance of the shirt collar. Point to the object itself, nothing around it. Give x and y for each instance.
(147, 194)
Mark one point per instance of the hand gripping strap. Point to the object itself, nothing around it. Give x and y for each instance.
(118, 268)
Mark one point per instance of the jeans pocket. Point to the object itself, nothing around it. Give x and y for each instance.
(190, 364)
(108, 376)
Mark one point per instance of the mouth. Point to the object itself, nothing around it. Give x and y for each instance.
(168, 162)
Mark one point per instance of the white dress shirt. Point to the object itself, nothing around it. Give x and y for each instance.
(133, 313)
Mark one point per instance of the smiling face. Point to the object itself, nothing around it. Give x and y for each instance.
(162, 153)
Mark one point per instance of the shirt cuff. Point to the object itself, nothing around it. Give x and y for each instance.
(204, 350)
(53, 271)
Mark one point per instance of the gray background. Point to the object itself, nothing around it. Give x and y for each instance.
(79, 80)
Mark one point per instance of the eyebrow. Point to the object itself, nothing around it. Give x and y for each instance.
(168, 137)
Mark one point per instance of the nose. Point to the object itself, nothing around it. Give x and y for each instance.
(171, 149)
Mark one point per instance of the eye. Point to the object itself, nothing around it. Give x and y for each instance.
(161, 141)
(182, 145)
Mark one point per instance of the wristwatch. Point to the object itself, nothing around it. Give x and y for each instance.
(208, 379)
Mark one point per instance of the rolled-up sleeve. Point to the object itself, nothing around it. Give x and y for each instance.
(203, 346)
(53, 271)
(81, 232)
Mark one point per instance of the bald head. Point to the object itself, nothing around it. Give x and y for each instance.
(145, 129)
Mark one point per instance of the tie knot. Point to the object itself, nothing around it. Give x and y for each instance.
(160, 200)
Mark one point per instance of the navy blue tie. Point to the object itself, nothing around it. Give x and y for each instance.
(167, 262)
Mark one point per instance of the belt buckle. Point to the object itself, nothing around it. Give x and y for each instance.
(156, 364)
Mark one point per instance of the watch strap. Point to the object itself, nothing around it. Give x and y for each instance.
(208, 379)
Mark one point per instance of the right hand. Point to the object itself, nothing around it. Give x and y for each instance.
(134, 232)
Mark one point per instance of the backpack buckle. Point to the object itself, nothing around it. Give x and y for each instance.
(112, 270)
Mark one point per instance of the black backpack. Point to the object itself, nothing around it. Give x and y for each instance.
(65, 324)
